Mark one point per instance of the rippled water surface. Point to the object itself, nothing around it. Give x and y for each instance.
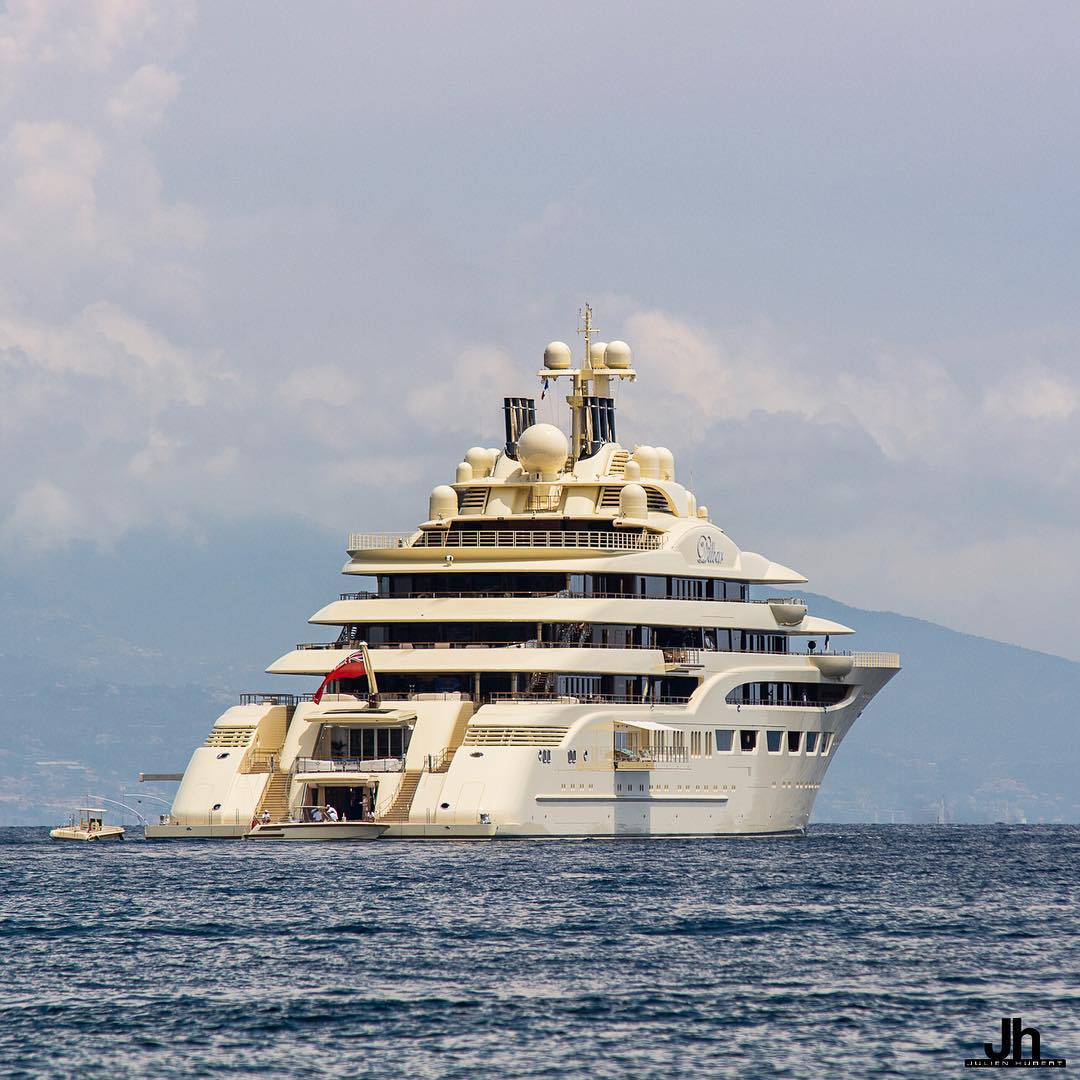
(857, 950)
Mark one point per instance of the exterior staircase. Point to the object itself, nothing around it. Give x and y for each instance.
(572, 635)
(401, 804)
(275, 797)
(457, 737)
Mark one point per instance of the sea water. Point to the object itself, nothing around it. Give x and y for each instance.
(857, 950)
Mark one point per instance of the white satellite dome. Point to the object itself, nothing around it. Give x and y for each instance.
(543, 449)
(596, 353)
(667, 463)
(617, 354)
(557, 356)
(443, 503)
(480, 459)
(649, 460)
(633, 502)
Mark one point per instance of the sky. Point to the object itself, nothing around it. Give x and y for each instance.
(259, 258)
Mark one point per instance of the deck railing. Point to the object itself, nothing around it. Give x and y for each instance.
(350, 765)
(510, 538)
(875, 659)
(511, 696)
(648, 757)
(672, 654)
(543, 594)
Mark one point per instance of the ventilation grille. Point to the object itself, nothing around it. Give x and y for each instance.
(618, 463)
(504, 735)
(474, 498)
(230, 736)
(657, 501)
(609, 498)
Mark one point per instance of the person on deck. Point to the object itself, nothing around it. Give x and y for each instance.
(331, 814)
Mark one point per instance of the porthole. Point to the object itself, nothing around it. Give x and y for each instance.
(477, 753)
(216, 806)
(225, 754)
(444, 806)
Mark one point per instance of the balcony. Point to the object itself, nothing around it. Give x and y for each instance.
(267, 699)
(348, 765)
(650, 757)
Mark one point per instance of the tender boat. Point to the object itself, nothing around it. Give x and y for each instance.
(88, 823)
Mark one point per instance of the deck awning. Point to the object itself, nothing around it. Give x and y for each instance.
(363, 718)
(647, 725)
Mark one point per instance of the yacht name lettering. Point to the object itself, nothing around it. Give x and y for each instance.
(707, 551)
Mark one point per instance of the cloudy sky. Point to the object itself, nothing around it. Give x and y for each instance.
(262, 257)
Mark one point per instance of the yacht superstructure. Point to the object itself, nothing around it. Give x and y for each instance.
(568, 645)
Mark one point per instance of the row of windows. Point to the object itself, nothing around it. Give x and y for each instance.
(483, 685)
(724, 740)
(612, 635)
(799, 694)
(746, 740)
(365, 743)
(526, 584)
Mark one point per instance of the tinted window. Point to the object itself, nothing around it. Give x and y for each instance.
(773, 740)
(747, 740)
(793, 740)
(826, 738)
(724, 738)
(811, 741)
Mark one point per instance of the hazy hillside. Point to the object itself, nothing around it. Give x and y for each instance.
(118, 662)
(988, 727)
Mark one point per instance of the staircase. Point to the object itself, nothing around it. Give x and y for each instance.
(573, 635)
(457, 737)
(401, 804)
(276, 797)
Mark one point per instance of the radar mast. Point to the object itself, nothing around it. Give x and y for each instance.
(592, 413)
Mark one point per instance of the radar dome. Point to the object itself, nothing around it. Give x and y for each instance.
(480, 460)
(542, 449)
(557, 356)
(667, 463)
(443, 503)
(633, 502)
(649, 460)
(596, 353)
(617, 355)
(633, 470)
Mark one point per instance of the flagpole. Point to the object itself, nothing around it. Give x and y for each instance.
(373, 685)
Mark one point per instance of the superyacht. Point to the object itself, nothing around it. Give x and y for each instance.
(568, 645)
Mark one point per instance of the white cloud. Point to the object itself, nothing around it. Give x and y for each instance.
(43, 515)
(469, 394)
(1032, 394)
(139, 105)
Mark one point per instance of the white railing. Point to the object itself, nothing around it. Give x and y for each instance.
(876, 659)
(510, 538)
(377, 541)
(349, 765)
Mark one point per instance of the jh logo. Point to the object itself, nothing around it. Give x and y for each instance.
(1013, 1034)
(1012, 1039)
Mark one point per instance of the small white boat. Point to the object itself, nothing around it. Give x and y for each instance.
(318, 830)
(88, 823)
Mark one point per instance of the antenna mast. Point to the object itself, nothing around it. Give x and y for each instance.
(582, 377)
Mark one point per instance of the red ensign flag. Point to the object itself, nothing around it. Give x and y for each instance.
(352, 667)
